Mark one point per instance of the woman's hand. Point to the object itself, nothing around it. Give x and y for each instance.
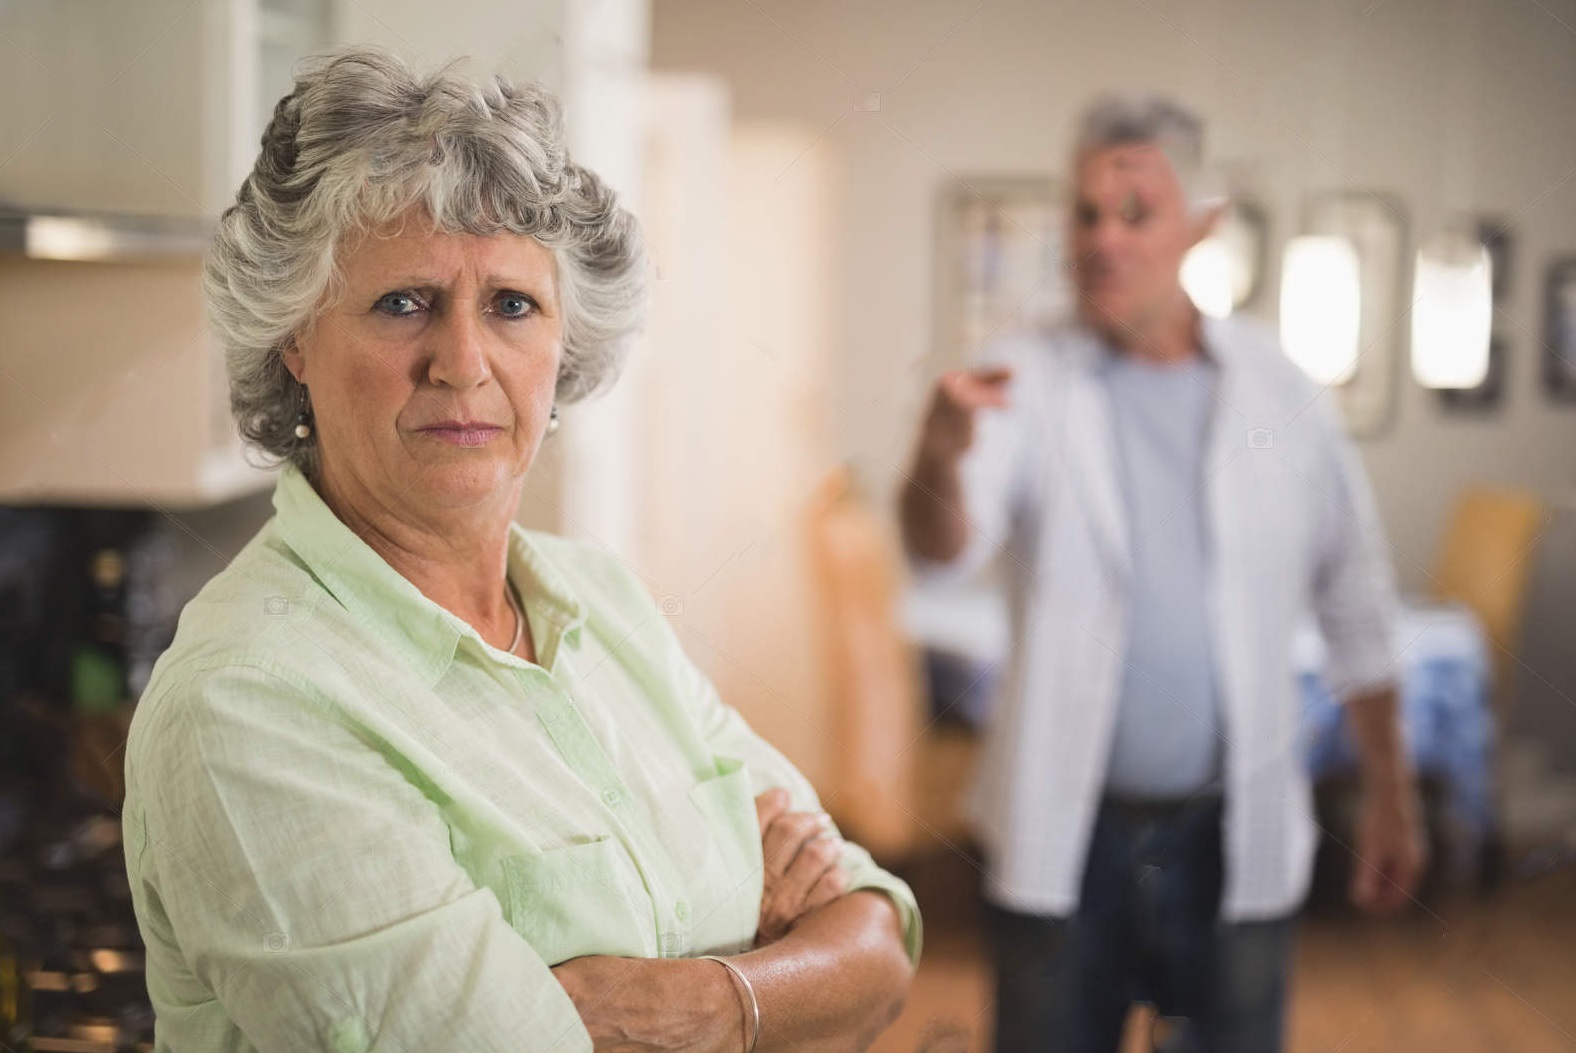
(831, 985)
(646, 1005)
(801, 851)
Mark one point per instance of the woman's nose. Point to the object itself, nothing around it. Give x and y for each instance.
(459, 352)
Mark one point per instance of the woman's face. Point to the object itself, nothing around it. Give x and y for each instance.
(431, 377)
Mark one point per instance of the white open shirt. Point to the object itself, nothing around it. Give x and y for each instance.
(1292, 528)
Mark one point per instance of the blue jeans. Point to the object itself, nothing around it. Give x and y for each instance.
(1147, 928)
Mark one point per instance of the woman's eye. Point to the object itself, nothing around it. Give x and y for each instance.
(399, 304)
(514, 305)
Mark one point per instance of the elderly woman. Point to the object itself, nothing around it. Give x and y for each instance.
(411, 777)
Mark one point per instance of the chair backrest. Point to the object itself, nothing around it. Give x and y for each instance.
(876, 687)
(1485, 562)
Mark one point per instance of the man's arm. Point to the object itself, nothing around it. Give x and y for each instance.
(935, 525)
(1391, 850)
(1355, 600)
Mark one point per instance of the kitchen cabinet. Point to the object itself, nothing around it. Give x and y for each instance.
(112, 392)
(154, 107)
(111, 388)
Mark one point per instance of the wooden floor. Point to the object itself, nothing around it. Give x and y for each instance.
(1493, 974)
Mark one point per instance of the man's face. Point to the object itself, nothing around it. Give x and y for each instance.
(1129, 230)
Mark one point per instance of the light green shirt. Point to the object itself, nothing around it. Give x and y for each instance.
(353, 824)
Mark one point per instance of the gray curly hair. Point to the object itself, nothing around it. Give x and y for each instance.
(359, 141)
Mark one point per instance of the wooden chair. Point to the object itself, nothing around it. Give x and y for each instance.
(898, 780)
(1485, 562)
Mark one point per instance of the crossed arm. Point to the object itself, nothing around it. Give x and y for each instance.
(829, 970)
(833, 983)
(294, 887)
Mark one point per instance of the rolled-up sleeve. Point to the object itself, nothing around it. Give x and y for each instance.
(287, 867)
(726, 732)
(1354, 592)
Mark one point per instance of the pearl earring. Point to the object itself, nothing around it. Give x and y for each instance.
(303, 428)
(552, 421)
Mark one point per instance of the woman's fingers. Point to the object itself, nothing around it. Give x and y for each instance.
(816, 879)
(818, 856)
(831, 884)
(786, 837)
(770, 805)
(801, 853)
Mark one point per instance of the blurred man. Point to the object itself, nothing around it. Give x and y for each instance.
(1171, 498)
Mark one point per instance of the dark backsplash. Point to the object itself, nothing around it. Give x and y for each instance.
(88, 600)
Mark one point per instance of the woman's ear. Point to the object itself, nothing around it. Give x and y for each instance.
(293, 359)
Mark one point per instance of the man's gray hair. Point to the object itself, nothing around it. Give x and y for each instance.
(1123, 119)
(360, 141)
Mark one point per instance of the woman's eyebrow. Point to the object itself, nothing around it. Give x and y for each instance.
(505, 280)
(539, 281)
(405, 281)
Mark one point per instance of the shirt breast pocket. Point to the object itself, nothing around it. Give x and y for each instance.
(733, 857)
(569, 902)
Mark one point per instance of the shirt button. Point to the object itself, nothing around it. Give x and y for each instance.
(681, 910)
(611, 798)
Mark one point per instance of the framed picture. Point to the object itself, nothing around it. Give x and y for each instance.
(1559, 330)
(1224, 273)
(1247, 225)
(1487, 394)
(1496, 238)
(999, 261)
(1376, 225)
(1244, 230)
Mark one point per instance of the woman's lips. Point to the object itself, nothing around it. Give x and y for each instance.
(467, 434)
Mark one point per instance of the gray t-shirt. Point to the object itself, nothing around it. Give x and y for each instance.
(1167, 741)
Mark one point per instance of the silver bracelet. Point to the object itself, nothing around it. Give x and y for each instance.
(749, 989)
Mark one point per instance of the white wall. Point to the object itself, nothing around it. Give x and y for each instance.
(523, 39)
(727, 387)
(1448, 104)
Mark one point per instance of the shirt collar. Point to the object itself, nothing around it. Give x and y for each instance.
(556, 612)
(363, 583)
(1215, 343)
